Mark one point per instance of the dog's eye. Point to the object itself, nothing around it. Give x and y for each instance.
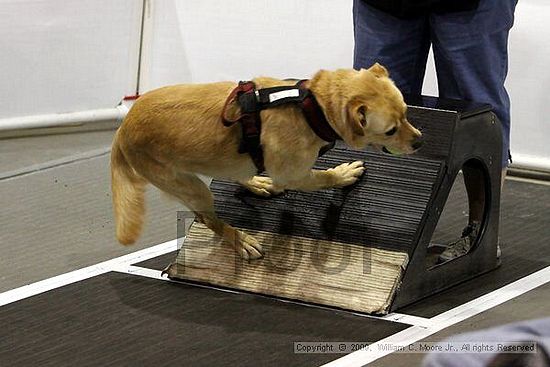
(392, 131)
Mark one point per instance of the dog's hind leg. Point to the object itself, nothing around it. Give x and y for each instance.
(191, 191)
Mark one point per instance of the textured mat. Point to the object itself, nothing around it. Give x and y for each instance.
(123, 320)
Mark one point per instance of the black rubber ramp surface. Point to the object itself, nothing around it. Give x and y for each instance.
(382, 210)
(124, 320)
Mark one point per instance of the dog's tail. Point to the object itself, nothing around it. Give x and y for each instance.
(128, 191)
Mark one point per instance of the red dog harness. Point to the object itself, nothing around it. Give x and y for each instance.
(252, 101)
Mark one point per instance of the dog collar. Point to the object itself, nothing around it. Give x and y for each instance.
(315, 116)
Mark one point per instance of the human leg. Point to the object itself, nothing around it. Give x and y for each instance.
(471, 57)
(400, 45)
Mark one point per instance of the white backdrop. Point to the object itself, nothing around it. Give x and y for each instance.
(529, 83)
(199, 41)
(212, 40)
(67, 56)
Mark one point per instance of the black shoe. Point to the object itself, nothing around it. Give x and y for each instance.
(463, 245)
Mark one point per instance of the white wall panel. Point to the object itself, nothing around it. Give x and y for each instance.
(529, 83)
(210, 40)
(65, 55)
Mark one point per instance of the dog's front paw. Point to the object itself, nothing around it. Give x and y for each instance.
(247, 246)
(262, 186)
(347, 173)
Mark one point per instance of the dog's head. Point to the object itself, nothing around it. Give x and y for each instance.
(374, 113)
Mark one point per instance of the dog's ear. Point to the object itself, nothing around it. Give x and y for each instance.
(356, 116)
(379, 71)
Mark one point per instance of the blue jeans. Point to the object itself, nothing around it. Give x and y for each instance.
(470, 52)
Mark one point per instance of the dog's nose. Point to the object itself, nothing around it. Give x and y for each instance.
(417, 143)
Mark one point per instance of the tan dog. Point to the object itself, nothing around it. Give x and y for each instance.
(174, 133)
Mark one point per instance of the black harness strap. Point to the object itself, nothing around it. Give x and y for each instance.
(251, 124)
(250, 143)
(252, 101)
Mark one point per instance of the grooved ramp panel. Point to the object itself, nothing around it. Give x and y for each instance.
(383, 210)
(345, 248)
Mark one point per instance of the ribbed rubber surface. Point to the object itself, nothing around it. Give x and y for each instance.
(463, 108)
(124, 320)
(383, 210)
(436, 127)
